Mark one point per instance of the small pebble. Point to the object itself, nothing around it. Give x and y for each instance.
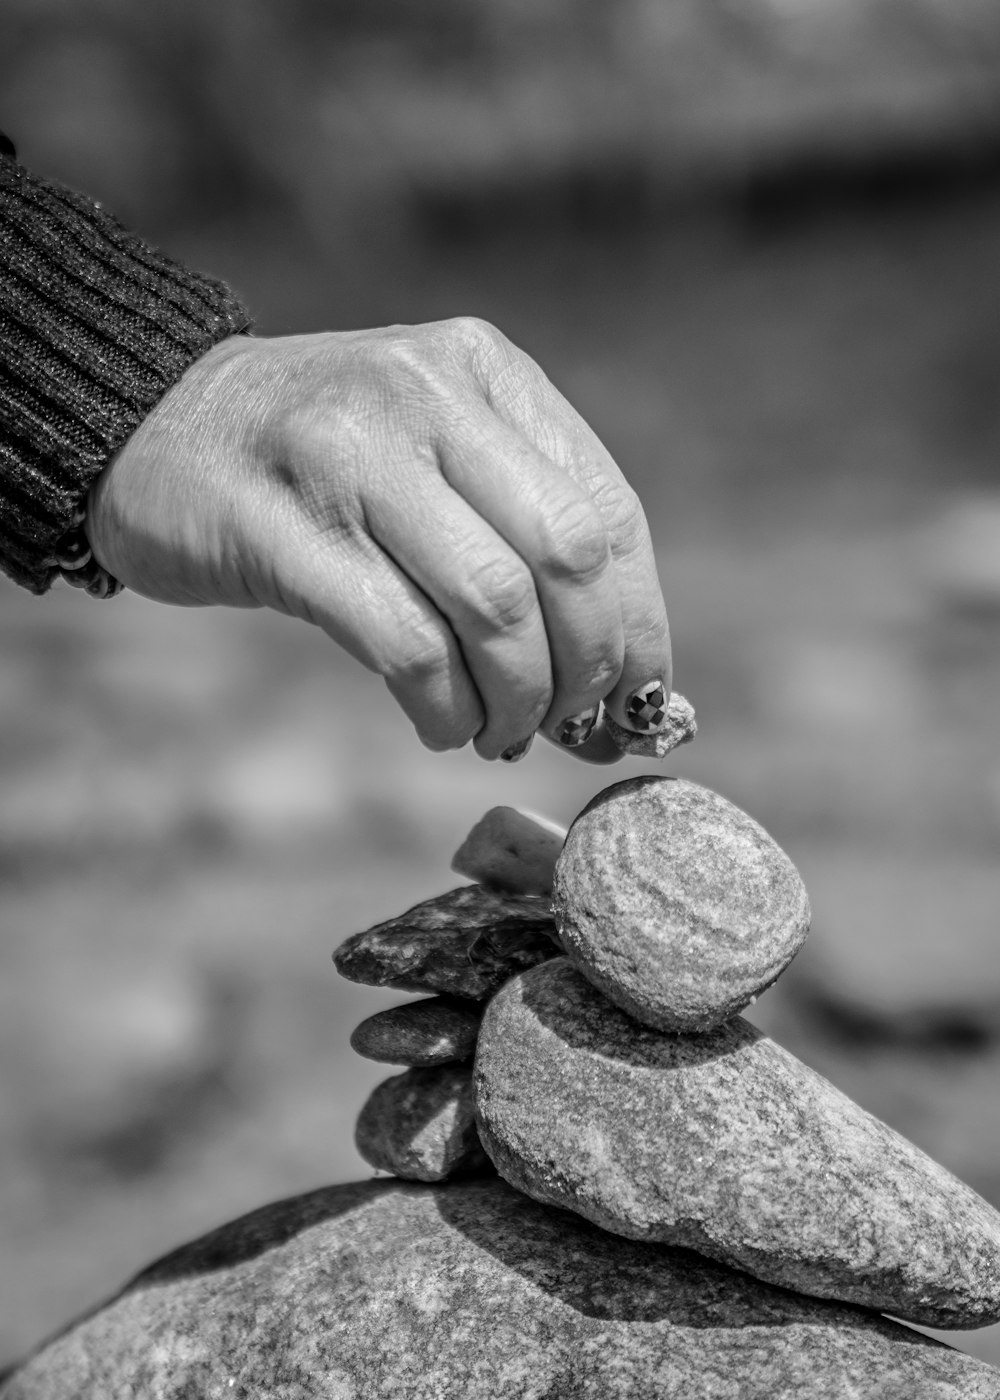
(437, 1031)
(421, 1125)
(511, 851)
(680, 727)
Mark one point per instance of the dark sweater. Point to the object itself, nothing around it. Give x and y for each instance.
(95, 326)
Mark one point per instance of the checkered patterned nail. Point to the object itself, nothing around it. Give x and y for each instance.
(578, 728)
(517, 751)
(646, 710)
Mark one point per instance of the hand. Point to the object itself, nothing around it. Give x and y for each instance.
(426, 497)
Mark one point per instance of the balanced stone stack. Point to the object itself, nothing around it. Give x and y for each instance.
(683, 1210)
(586, 1042)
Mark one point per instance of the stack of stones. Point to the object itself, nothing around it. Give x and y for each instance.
(683, 1211)
(584, 1039)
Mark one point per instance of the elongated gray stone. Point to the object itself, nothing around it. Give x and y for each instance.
(470, 1291)
(421, 1125)
(465, 943)
(727, 1144)
(675, 903)
(436, 1031)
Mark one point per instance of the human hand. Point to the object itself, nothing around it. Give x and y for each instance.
(426, 497)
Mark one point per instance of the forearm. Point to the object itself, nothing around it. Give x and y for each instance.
(95, 327)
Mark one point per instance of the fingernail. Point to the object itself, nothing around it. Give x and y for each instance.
(578, 728)
(517, 751)
(646, 709)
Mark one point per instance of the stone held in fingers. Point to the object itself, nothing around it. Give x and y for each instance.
(679, 727)
(471, 1291)
(511, 851)
(421, 1125)
(465, 943)
(727, 1144)
(436, 1031)
(678, 906)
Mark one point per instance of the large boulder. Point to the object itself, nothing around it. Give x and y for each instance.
(470, 1291)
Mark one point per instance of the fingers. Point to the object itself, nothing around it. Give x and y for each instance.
(598, 747)
(368, 605)
(484, 589)
(551, 525)
(521, 394)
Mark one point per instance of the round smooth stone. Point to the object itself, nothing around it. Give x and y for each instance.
(678, 906)
(436, 1031)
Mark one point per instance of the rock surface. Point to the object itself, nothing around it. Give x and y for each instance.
(437, 1031)
(465, 943)
(727, 1144)
(680, 727)
(511, 851)
(421, 1125)
(678, 906)
(470, 1291)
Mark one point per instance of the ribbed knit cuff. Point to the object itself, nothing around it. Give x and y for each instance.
(95, 326)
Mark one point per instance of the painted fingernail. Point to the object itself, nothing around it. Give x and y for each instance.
(517, 751)
(646, 710)
(578, 728)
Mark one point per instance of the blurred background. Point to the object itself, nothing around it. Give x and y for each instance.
(757, 243)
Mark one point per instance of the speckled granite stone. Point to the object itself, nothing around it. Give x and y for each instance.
(675, 903)
(436, 1031)
(508, 850)
(680, 727)
(469, 1291)
(727, 1144)
(465, 943)
(421, 1125)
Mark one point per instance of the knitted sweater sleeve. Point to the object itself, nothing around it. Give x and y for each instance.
(95, 326)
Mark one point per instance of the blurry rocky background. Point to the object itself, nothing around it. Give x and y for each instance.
(757, 242)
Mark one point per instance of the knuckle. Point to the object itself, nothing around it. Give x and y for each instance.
(423, 658)
(623, 516)
(408, 360)
(503, 595)
(575, 544)
(594, 677)
(604, 673)
(474, 333)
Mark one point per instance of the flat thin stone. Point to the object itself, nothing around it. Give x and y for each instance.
(511, 851)
(437, 1031)
(470, 1291)
(678, 906)
(727, 1144)
(680, 727)
(421, 1125)
(465, 943)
